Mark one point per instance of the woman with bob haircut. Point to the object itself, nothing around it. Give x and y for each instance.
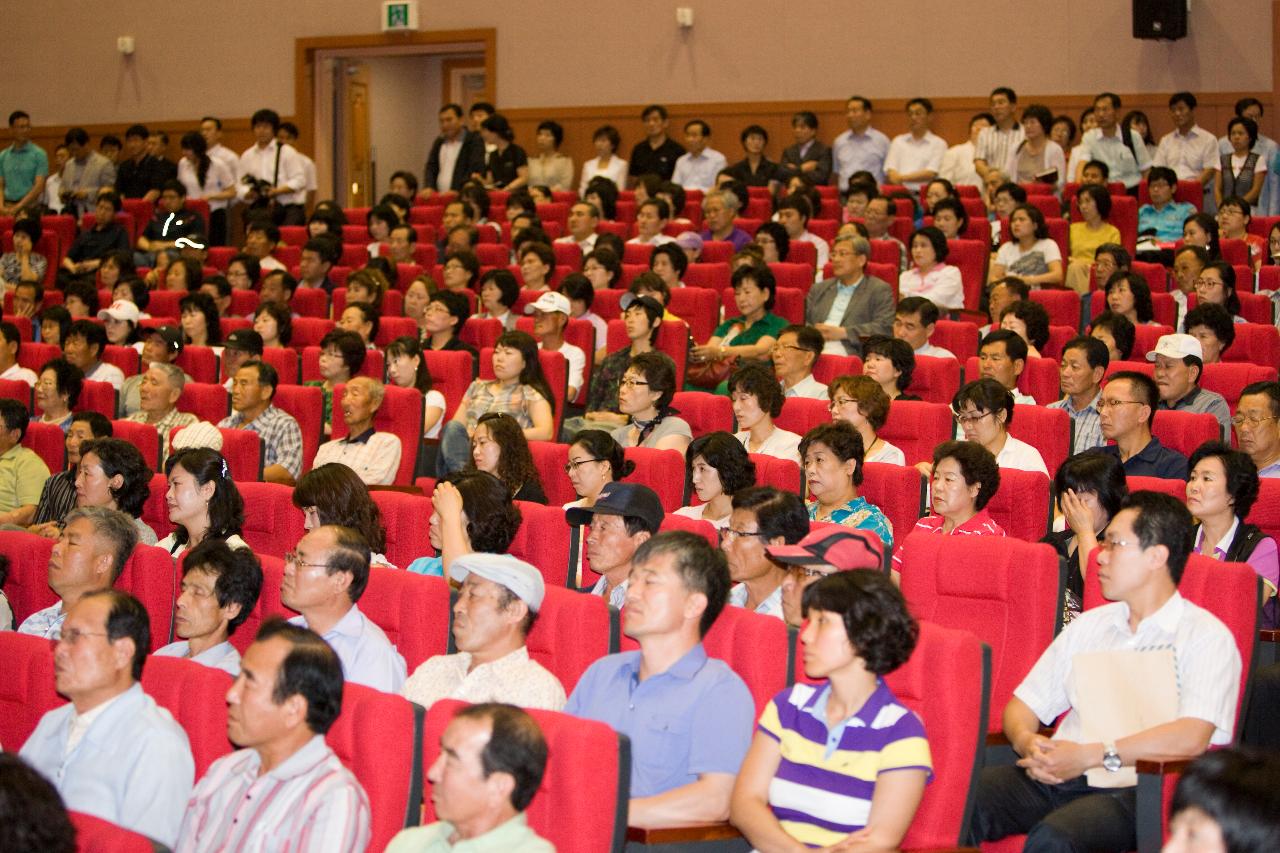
(984, 409)
(1030, 321)
(832, 468)
(757, 399)
(203, 501)
(498, 447)
(407, 368)
(606, 163)
(334, 494)
(1129, 295)
(1226, 802)
(858, 630)
(891, 363)
(669, 263)
(716, 467)
(548, 167)
(1030, 254)
(200, 320)
(1222, 487)
(950, 217)
(471, 511)
(930, 276)
(113, 474)
(862, 403)
(965, 477)
(499, 292)
(595, 460)
(1091, 489)
(1087, 236)
(644, 396)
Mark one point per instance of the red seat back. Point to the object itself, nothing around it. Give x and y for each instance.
(308, 331)
(550, 458)
(697, 526)
(1172, 488)
(1266, 509)
(413, 610)
(958, 336)
(755, 646)
(1021, 504)
(310, 304)
(200, 363)
(306, 404)
(272, 524)
(801, 414)
(34, 355)
(150, 576)
(577, 749)
(16, 389)
(700, 308)
(1047, 430)
(1256, 343)
(935, 380)
(451, 374)
(95, 835)
(572, 632)
(673, 337)
(404, 518)
(970, 257)
(208, 401)
(915, 427)
(661, 470)
(243, 451)
(543, 540)
(1013, 605)
(125, 358)
(899, 492)
(782, 474)
(705, 412)
(97, 397)
(829, 366)
(709, 275)
(155, 512)
(26, 691)
(1230, 379)
(1063, 306)
(285, 361)
(1185, 431)
(142, 436)
(793, 275)
(196, 696)
(1059, 337)
(49, 442)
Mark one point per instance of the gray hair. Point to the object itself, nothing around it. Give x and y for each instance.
(860, 245)
(376, 390)
(730, 200)
(172, 374)
(116, 527)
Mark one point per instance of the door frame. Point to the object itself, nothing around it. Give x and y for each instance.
(316, 140)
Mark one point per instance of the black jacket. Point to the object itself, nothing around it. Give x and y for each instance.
(470, 161)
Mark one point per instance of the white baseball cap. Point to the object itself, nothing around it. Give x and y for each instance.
(524, 581)
(1177, 346)
(121, 309)
(549, 302)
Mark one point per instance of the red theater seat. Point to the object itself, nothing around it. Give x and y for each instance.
(661, 470)
(26, 691)
(208, 401)
(916, 427)
(705, 412)
(97, 397)
(572, 632)
(828, 367)
(95, 835)
(142, 436)
(405, 519)
(200, 363)
(543, 539)
(958, 336)
(401, 415)
(935, 380)
(49, 443)
(801, 414)
(306, 404)
(1047, 430)
(550, 458)
(413, 610)
(898, 490)
(196, 696)
(780, 473)
(1021, 504)
(1184, 431)
(272, 524)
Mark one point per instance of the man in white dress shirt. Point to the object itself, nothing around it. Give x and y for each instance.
(794, 356)
(10, 341)
(111, 751)
(220, 586)
(957, 163)
(288, 135)
(584, 218)
(861, 148)
(1188, 149)
(324, 577)
(697, 168)
(1048, 794)
(551, 312)
(914, 321)
(271, 173)
(211, 130)
(496, 608)
(915, 157)
(1127, 160)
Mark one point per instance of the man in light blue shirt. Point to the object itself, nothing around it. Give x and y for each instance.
(112, 752)
(689, 717)
(1128, 162)
(324, 577)
(1163, 215)
(220, 585)
(861, 148)
(697, 168)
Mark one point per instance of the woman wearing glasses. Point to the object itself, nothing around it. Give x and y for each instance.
(498, 447)
(644, 396)
(761, 516)
(862, 403)
(832, 456)
(716, 467)
(203, 501)
(984, 409)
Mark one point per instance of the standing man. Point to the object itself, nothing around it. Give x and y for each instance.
(288, 135)
(861, 148)
(1084, 363)
(996, 142)
(456, 154)
(1188, 149)
(849, 306)
(697, 168)
(139, 174)
(86, 173)
(1257, 424)
(1127, 160)
(809, 155)
(211, 130)
(656, 154)
(284, 788)
(271, 175)
(23, 168)
(915, 157)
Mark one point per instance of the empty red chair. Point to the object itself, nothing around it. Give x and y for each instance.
(26, 691)
(705, 412)
(404, 518)
(970, 257)
(1185, 431)
(1021, 504)
(97, 397)
(1063, 306)
(572, 632)
(916, 427)
(49, 443)
(1266, 510)
(1256, 343)
(550, 459)
(780, 473)
(310, 303)
(1047, 430)
(1013, 604)
(801, 414)
(196, 697)
(898, 490)
(543, 539)
(828, 367)
(412, 610)
(208, 401)
(935, 380)
(452, 372)
(958, 336)
(1145, 339)
(1230, 379)
(200, 363)
(306, 404)
(142, 436)
(272, 524)
(661, 470)
(697, 526)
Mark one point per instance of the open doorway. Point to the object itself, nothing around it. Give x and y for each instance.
(371, 102)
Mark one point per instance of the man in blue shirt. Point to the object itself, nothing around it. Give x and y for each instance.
(1126, 409)
(689, 717)
(23, 168)
(112, 752)
(1163, 216)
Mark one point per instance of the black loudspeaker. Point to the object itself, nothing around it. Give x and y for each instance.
(1160, 19)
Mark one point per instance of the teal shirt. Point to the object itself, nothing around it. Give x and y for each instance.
(862, 514)
(20, 167)
(514, 836)
(769, 325)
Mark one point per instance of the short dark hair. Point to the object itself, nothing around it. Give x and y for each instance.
(1239, 789)
(87, 293)
(1250, 127)
(881, 629)
(1112, 96)
(1015, 192)
(1095, 351)
(1007, 92)
(799, 204)
(237, 573)
(1096, 473)
(1101, 166)
(1271, 390)
(757, 379)
(807, 338)
(1034, 316)
(98, 423)
(69, 378)
(492, 517)
(1216, 319)
(506, 284)
(753, 130)
(1040, 113)
(1162, 173)
(778, 513)
(410, 179)
(1183, 98)
(32, 813)
(866, 102)
(842, 439)
(226, 507)
(660, 372)
(702, 568)
(1163, 520)
(1143, 387)
(311, 670)
(1121, 329)
(350, 554)
(654, 108)
(898, 352)
(203, 303)
(348, 344)
(703, 127)
(608, 132)
(15, 416)
(1014, 345)
(1242, 473)
(872, 402)
(267, 374)
(456, 109)
(1101, 198)
(936, 239)
(127, 618)
(977, 466)
(727, 456)
(266, 116)
(29, 226)
(679, 260)
(955, 206)
(986, 395)
(516, 747)
(806, 118)
(926, 308)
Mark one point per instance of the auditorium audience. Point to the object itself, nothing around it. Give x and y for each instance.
(914, 321)
(220, 586)
(1030, 321)
(1216, 285)
(57, 390)
(850, 305)
(1116, 332)
(862, 403)
(58, 496)
(644, 397)
(407, 368)
(472, 511)
(794, 355)
(778, 518)
(1002, 356)
(930, 276)
(1029, 253)
(1212, 326)
(203, 501)
(83, 346)
(1226, 800)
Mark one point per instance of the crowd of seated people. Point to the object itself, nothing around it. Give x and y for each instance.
(712, 350)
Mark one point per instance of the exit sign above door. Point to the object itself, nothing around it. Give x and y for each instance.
(399, 15)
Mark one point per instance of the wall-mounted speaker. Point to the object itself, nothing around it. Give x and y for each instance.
(1160, 19)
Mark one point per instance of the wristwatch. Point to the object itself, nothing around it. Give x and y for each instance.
(1110, 758)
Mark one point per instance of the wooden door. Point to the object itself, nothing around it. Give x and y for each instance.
(358, 161)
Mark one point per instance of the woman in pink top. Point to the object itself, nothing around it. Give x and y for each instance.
(930, 276)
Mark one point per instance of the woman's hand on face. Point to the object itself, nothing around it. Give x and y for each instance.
(447, 500)
(1077, 513)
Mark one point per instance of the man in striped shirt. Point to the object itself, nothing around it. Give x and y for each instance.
(284, 789)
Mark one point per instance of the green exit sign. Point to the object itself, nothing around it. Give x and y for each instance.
(399, 15)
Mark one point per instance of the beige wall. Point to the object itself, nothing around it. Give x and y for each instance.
(231, 57)
(402, 88)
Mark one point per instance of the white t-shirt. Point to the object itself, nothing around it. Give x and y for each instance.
(1011, 255)
(435, 399)
(1020, 456)
(888, 454)
(577, 366)
(696, 513)
(17, 371)
(780, 443)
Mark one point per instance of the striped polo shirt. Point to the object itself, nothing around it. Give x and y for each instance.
(822, 790)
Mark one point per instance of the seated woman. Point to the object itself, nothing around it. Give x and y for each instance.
(1129, 295)
(1089, 234)
(1201, 229)
(833, 471)
(537, 265)
(499, 292)
(595, 460)
(964, 480)
(716, 467)
(1234, 216)
(382, 218)
(603, 268)
(461, 270)
(1030, 321)
(200, 320)
(1116, 331)
(606, 163)
(274, 322)
(341, 357)
(669, 263)
(446, 316)
(113, 474)
(935, 191)
(984, 409)
(644, 396)
(1091, 488)
(498, 447)
(930, 276)
(334, 494)
(862, 403)
(407, 368)
(327, 218)
(24, 263)
(53, 322)
(471, 511)
(774, 242)
(1221, 489)
(891, 363)
(762, 517)
(1037, 159)
(57, 390)
(1216, 285)
(757, 399)
(1109, 259)
(181, 275)
(362, 319)
(752, 334)
(416, 298)
(950, 217)
(367, 285)
(518, 388)
(1030, 254)
(121, 323)
(244, 271)
(858, 630)
(116, 267)
(203, 501)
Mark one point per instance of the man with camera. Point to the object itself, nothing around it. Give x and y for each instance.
(272, 177)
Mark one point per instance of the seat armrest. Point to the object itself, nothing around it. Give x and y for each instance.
(1153, 775)
(691, 833)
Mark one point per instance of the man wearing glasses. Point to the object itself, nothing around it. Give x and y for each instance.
(622, 519)
(1076, 790)
(1125, 410)
(111, 751)
(1257, 424)
(850, 305)
(324, 577)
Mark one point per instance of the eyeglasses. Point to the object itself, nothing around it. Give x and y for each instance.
(971, 418)
(574, 466)
(1105, 403)
(1252, 420)
(294, 558)
(781, 347)
(632, 383)
(1207, 282)
(71, 636)
(1109, 543)
(839, 402)
(727, 533)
